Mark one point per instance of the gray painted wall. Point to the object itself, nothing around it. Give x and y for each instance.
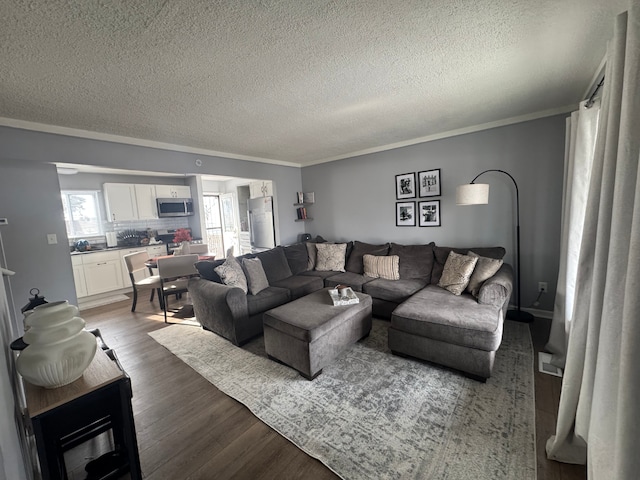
(29, 197)
(355, 198)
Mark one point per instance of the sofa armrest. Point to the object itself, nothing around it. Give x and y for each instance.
(218, 307)
(497, 290)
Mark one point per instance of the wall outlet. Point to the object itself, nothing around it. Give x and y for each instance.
(52, 238)
(542, 287)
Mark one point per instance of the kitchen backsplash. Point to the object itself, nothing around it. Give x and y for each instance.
(169, 223)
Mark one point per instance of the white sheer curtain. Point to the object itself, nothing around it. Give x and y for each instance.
(578, 159)
(598, 414)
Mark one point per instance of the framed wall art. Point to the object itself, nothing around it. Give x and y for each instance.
(405, 186)
(406, 214)
(429, 183)
(429, 213)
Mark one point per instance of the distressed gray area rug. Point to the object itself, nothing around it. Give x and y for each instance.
(374, 415)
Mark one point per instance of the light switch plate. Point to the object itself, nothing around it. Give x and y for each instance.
(52, 238)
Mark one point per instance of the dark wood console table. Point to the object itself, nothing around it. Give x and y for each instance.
(64, 417)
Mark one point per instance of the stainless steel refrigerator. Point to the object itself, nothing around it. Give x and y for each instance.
(261, 225)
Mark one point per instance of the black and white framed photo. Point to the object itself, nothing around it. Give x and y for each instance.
(429, 183)
(406, 214)
(406, 186)
(429, 213)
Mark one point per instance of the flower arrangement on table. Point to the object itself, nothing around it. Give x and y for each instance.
(182, 235)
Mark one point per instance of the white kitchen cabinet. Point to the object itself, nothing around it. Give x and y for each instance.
(173, 191)
(261, 189)
(146, 201)
(102, 271)
(78, 276)
(120, 201)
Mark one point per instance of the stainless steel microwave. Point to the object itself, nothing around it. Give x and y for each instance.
(175, 207)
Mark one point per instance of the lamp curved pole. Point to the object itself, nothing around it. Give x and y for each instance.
(519, 314)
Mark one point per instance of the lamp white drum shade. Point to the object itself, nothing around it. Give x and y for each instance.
(472, 194)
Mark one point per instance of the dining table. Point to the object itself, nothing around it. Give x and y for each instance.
(153, 262)
(186, 311)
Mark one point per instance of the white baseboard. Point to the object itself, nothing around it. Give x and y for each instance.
(535, 312)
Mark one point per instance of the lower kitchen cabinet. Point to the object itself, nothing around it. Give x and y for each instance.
(100, 272)
(78, 276)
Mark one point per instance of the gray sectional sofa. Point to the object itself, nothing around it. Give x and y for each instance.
(426, 322)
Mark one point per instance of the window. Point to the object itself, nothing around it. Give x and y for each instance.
(81, 213)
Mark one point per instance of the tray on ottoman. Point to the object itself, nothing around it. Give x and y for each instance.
(308, 333)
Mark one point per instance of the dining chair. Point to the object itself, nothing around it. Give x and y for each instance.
(175, 272)
(198, 248)
(140, 277)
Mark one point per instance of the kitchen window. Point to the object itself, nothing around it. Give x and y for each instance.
(82, 213)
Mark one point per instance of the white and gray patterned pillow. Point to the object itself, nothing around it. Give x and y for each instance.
(457, 272)
(331, 257)
(379, 266)
(484, 270)
(231, 274)
(256, 278)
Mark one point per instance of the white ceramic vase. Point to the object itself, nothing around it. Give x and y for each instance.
(59, 348)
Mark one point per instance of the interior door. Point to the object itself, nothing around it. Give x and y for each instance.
(230, 227)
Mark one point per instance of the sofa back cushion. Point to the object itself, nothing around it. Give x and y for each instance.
(416, 261)
(275, 264)
(442, 253)
(355, 263)
(297, 257)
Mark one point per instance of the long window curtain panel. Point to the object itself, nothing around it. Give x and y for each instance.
(578, 160)
(598, 413)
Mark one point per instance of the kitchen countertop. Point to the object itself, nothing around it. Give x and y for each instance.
(108, 249)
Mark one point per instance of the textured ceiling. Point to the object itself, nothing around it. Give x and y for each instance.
(295, 81)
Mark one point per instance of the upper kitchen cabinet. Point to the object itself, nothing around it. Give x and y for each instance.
(261, 189)
(173, 191)
(146, 201)
(120, 200)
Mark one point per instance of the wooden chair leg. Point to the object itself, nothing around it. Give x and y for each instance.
(164, 307)
(152, 293)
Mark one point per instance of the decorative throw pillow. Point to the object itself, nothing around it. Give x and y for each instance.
(377, 266)
(331, 257)
(485, 269)
(256, 278)
(231, 274)
(457, 272)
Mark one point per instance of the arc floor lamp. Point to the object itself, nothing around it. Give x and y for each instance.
(478, 194)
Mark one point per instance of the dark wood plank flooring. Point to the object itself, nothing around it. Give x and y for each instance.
(188, 429)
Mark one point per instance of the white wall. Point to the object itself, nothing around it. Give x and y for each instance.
(355, 198)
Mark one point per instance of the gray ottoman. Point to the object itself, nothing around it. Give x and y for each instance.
(308, 333)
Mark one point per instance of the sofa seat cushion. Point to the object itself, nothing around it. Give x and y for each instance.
(300, 285)
(393, 290)
(354, 280)
(267, 299)
(457, 319)
(319, 273)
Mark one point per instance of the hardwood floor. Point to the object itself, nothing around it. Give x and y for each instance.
(188, 429)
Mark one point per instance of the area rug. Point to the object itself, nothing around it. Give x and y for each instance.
(374, 415)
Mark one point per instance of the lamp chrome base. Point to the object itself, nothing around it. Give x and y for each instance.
(520, 316)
